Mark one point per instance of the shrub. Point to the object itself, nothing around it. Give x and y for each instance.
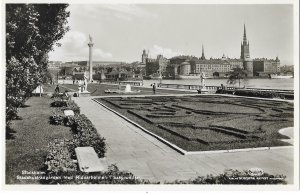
(87, 135)
(59, 163)
(56, 96)
(252, 93)
(59, 158)
(57, 119)
(221, 91)
(69, 121)
(58, 104)
(71, 105)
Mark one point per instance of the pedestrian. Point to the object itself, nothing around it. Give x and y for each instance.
(154, 87)
(57, 89)
(66, 95)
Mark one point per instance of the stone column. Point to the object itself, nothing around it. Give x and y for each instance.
(90, 44)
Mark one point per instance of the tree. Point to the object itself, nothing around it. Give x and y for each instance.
(31, 32)
(236, 75)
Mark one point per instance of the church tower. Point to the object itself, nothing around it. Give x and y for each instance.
(245, 53)
(202, 56)
(144, 57)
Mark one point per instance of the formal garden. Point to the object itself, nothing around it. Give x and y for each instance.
(202, 123)
(41, 137)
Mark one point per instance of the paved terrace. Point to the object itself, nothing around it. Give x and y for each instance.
(147, 158)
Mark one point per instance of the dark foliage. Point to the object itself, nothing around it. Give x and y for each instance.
(58, 104)
(31, 32)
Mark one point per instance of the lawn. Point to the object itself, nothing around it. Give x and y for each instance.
(26, 143)
(207, 122)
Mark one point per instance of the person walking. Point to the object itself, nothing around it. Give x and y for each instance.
(57, 89)
(154, 88)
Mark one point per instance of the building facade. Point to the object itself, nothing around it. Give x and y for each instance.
(263, 67)
(157, 66)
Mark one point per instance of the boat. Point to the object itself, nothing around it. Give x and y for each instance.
(275, 76)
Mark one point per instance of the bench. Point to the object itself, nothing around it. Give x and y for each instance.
(88, 160)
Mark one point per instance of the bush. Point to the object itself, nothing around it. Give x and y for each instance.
(69, 121)
(85, 132)
(58, 104)
(112, 176)
(253, 93)
(59, 163)
(59, 158)
(221, 91)
(87, 135)
(57, 119)
(71, 105)
(56, 96)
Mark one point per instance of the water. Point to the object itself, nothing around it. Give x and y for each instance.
(286, 84)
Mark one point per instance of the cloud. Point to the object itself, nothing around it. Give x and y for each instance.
(109, 11)
(74, 47)
(100, 53)
(166, 52)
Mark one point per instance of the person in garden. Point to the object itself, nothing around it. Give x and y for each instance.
(57, 89)
(66, 95)
(154, 88)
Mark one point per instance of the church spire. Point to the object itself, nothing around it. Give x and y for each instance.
(245, 52)
(245, 36)
(202, 56)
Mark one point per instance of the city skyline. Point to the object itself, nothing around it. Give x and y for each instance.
(121, 32)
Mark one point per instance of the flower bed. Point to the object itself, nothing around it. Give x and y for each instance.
(71, 105)
(61, 158)
(61, 164)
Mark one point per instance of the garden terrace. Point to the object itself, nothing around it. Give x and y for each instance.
(98, 89)
(207, 122)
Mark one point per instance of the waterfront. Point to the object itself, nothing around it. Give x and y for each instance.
(287, 84)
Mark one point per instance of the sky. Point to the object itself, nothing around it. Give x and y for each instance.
(121, 31)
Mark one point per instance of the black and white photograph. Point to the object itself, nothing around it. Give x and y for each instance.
(150, 95)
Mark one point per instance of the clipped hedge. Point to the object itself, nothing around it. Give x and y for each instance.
(257, 93)
(253, 93)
